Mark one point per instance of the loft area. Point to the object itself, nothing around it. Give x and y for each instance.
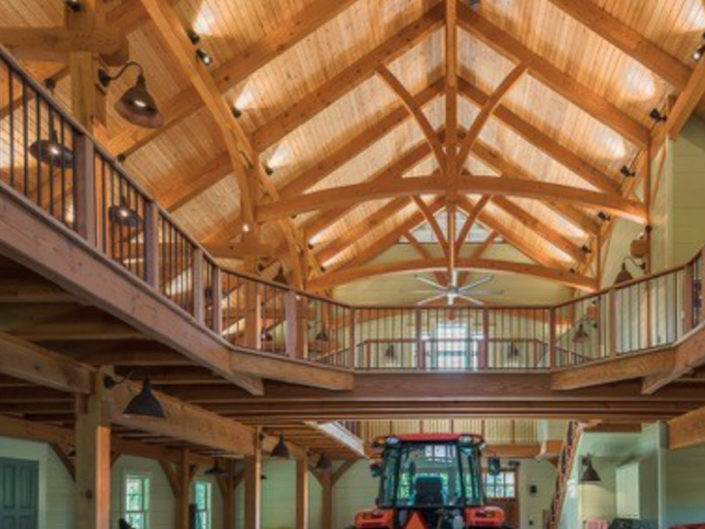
(353, 263)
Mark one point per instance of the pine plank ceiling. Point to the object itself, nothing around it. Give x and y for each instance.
(311, 79)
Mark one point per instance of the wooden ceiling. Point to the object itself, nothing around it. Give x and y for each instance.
(549, 99)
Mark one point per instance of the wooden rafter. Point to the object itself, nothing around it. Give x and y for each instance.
(488, 108)
(352, 76)
(424, 265)
(231, 72)
(627, 40)
(425, 254)
(432, 222)
(559, 81)
(687, 101)
(356, 193)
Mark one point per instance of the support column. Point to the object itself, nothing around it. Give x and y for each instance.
(253, 482)
(327, 500)
(93, 459)
(227, 491)
(301, 494)
(181, 500)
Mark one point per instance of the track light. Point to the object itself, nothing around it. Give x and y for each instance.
(236, 111)
(585, 248)
(194, 37)
(123, 215)
(204, 56)
(246, 228)
(144, 405)
(136, 105)
(73, 5)
(280, 450)
(603, 216)
(626, 172)
(699, 51)
(268, 170)
(656, 115)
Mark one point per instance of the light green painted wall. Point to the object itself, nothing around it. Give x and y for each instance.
(685, 486)
(533, 507)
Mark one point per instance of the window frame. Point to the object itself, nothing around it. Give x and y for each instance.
(504, 485)
(146, 478)
(208, 510)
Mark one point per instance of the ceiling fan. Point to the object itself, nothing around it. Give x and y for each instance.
(452, 291)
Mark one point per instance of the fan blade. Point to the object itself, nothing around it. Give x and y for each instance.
(471, 300)
(432, 298)
(477, 283)
(430, 282)
(422, 291)
(454, 279)
(488, 292)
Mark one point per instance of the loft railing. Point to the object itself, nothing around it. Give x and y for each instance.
(48, 158)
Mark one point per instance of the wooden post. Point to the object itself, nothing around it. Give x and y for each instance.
(151, 243)
(485, 349)
(226, 485)
(181, 500)
(612, 321)
(93, 459)
(253, 482)
(302, 327)
(353, 338)
(688, 298)
(291, 322)
(217, 301)
(84, 192)
(552, 351)
(253, 315)
(199, 300)
(420, 353)
(301, 494)
(327, 500)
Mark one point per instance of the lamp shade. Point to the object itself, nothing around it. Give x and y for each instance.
(145, 404)
(323, 336)
(323, 462)
(139, 107)
(216, 470)
(50, 151)
(124, 215)
(589, 474)
(280, 450)
(623, 275)
(581, 335)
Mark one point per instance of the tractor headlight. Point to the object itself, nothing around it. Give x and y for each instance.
(392, 441)
(465, 440)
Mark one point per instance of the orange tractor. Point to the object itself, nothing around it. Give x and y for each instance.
(430, 481)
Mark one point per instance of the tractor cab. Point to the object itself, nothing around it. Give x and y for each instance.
(430, 481)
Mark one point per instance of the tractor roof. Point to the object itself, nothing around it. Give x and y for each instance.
(429, 437)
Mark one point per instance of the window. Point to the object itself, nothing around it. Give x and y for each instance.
(203, 491)
(136, 507)
(457, 347)
(503, 485)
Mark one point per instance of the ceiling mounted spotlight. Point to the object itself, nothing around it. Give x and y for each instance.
(73, 5)
(204, 57)
(656, 115)
(603, 216)
(586, 249)
(699, 51)
(268, 169)
(246, 228)
(626, 172)
(236, 111)
(194, 37)
(136, 105)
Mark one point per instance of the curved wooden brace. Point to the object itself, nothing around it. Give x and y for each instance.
(487, 110)
(348, 275)
(482, 185)
(415, 110)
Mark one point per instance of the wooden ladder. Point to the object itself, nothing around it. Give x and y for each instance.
(566, 458)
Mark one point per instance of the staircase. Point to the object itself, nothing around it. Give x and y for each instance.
(566, 459)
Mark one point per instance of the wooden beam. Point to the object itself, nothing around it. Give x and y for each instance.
(302, 497)
(235, 70)
(184, 421)
(613, 370)
(347, 275)
(687, 101)
(27, 361)
(253, 485)
(544, 71)
(488, 109)
(430, 218)
(341, 436)
(35, 431)
(66, 461)
(415, 110)
(542, 141)
(484, 185)
(687, 430)
(470, 221)
(55, 43)
(627, 39)
(352, 76)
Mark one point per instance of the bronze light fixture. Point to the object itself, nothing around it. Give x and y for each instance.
(323, 335)
(624, 274)
(136, 105)
(216, 470)
(699, 51)
(280, 450)
(52, 151)
(626, 171)
(581, 335)
(513, 351)
(123, 215)
(588, 474)
(656, 115)
(323, 462)
(144, 405)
